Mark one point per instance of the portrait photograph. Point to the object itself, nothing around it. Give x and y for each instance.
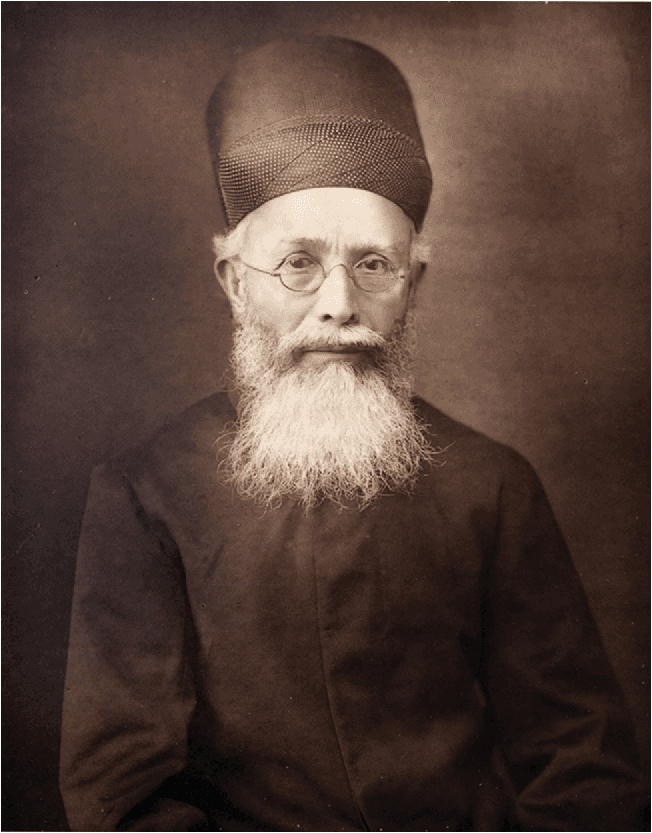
(326, 416)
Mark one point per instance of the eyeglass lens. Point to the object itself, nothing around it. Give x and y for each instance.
(303, 274)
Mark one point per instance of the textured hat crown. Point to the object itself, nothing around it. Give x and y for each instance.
(316, 113)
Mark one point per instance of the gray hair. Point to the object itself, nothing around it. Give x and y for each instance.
(229, 244)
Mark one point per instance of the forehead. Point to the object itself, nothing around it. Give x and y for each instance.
(331, 217)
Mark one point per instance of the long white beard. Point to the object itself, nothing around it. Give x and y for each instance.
(338, 430)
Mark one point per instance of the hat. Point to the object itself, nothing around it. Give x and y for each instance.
(316, 113)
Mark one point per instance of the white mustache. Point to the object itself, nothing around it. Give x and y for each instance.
(308, 337)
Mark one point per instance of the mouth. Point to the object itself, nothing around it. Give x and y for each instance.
(330, 353)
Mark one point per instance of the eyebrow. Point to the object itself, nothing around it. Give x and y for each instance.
(318, 242)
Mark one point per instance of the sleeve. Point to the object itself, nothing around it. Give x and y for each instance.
(566, 748)
(129, 689)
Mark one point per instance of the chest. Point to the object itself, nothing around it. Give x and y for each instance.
(407, 572)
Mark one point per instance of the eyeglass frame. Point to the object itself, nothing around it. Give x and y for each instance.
(400, 275)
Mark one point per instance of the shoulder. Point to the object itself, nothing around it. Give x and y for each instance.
(184, 445)
(458, 442)
(197, 427)
(471, 461)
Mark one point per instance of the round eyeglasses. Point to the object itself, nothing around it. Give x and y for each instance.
(302, 273)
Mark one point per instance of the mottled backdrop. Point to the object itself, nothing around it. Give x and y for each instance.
(533, 315)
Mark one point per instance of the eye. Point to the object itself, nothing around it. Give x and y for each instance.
(299, 262)
(373, 265)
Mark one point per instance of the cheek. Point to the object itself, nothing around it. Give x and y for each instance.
(382, 316)
(273, 309)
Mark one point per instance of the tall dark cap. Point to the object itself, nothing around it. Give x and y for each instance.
(316, 113)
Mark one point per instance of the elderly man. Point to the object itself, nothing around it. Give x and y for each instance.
(316, 602)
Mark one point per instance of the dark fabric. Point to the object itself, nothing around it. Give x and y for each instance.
(427, 664)
(321, 112)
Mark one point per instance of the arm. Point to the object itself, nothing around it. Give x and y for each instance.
(567, 748)
(129, 691)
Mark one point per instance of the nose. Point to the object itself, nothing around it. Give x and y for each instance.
(337, 298)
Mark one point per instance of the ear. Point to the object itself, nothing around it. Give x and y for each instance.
(415, 279)
(231, 284)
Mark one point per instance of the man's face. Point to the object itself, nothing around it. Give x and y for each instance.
(323, 377)
(338, 227)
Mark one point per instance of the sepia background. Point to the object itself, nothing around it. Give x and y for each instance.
(533, 316)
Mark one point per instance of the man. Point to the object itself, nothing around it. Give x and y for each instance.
(317, 602)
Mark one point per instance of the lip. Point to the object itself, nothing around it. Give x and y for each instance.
(326, 354)
(342, 348)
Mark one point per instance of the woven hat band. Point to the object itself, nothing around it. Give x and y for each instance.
(351, 153)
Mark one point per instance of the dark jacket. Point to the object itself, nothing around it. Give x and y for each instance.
(427, 664)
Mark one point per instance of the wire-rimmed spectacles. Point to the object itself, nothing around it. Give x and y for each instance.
(300, 272)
